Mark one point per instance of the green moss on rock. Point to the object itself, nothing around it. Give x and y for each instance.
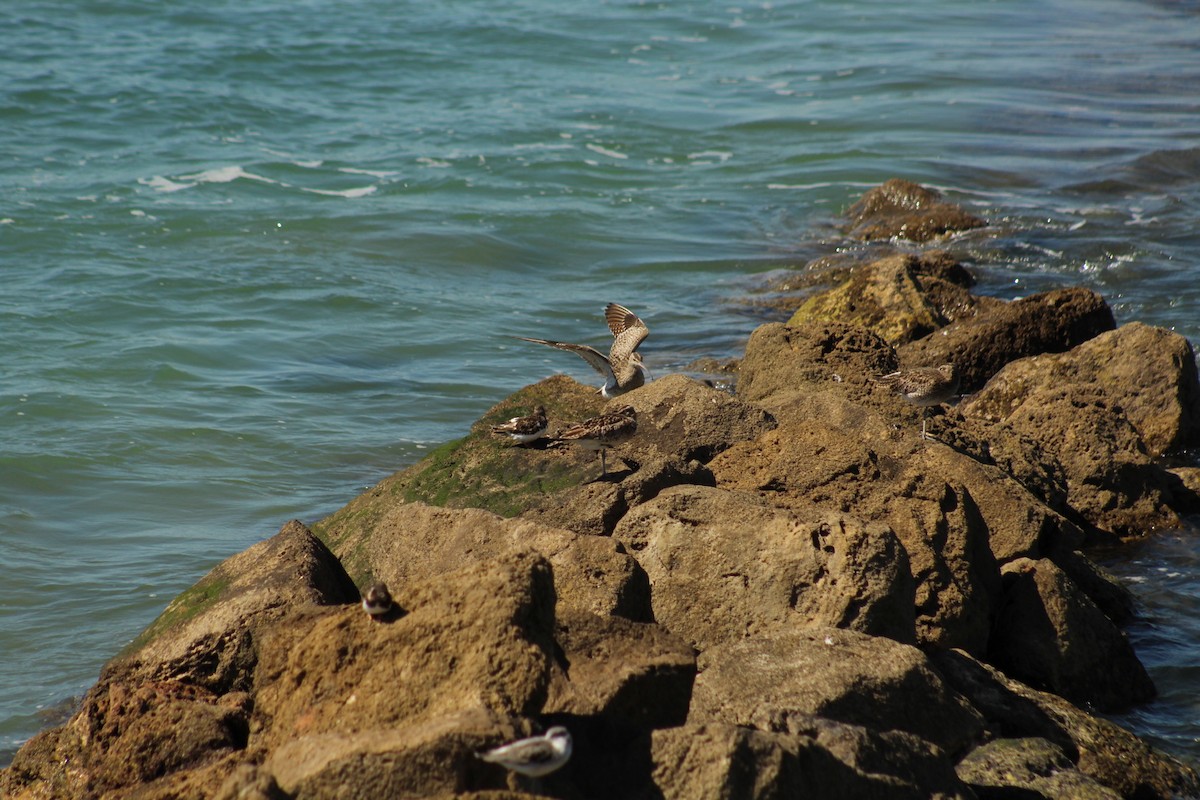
(480, 470)
(188, 605)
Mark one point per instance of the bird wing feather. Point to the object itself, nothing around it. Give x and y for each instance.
(591, 355)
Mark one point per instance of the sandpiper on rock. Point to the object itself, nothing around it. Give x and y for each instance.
(622, 368)
(923, 386)
(535, 756)
(523, 430)
(602, 432)
(377, 601)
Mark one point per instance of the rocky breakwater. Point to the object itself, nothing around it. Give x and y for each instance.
(780, 592)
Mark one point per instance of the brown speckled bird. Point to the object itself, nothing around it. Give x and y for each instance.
(622, 368)
(923, 386)
(602, 432)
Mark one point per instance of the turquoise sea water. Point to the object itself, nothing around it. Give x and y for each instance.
(255, 256)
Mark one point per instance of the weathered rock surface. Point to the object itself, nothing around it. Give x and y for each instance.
(979, 346)
(491, 626)
(414, 541)
(956, 517)
(1150, 373)
(1064, 403)
(764, 682)
(1049, 634)
(634, 674)
(905, 210)
(716, 760)
(206, 635)
(1100, 749)
(1033, 767)
(754, 568)
(901, 297)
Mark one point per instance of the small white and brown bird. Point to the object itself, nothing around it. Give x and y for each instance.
(622, 369)
(602, 432)
(377, 601)
(523, 430)
(923, 386)
(535, 756)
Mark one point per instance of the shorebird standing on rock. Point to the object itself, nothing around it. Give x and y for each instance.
(524, 430)
(622, 369)
(923, 386)
(377, 602)
(602, 432)
(535, 756)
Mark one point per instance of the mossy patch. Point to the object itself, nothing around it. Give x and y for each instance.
(480, 470)
(188, 605)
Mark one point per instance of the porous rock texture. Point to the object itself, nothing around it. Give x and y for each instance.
(775, 593)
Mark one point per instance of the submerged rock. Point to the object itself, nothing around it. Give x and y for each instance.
(905, 210)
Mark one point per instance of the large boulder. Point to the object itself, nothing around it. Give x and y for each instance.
(414, 542)
(1111, 481)
(1150, 373)
(633, 675)
(763, 682)
(980, 345)
(206, 636)
(829, 760)
(679, 417)
(724, 565)
(1101, 749)
(957, 518)
(127, 735)
(1049, 634)
(1030, 768)
(901, 297)
(479, 638)
(817, 356)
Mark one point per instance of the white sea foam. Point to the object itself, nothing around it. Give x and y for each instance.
(544, 146)
(383, 174)
(604, 151)
(359, 192)
(160, 184)
(433, 162)
(720, 155)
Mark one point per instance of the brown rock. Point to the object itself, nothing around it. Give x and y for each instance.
(427, 758)
(127, 734)
(956, 518)
(1050, 635)
(1102, 587)
(1034, 767)
(416, 542)
(900, 297)
(682, 418)
(633, 674)
(906, 210)
(816, 357)
(725, 565)
(1111, 481)
(979, 346)
(206, 635)
(595, 507)
(1100, 749)
(715, 760)
(477, 638)
(1149, 372)
(843, 675)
